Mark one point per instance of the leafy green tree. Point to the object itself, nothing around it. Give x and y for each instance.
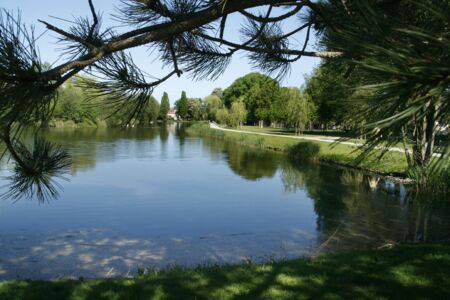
(278, 109)
(300, 110)
(72, 104)
(217, 92)
(196, 110)
(223, 116)
(212, 103)
(265, 99)
(182, 106)
(238, 113)
(154, 110)
(331, 93)
(151, 112)
(258, 91)
(165, 107)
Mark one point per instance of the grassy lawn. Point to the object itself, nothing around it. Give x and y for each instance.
(392, 162)
(405, 272)
(287, 131)
(329, 134)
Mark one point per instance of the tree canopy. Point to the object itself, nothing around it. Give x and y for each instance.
(331, 93)
(165, 107)
(299, 109)
(257, 91)
(182, 106)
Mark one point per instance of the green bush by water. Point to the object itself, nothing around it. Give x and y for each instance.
(304, 150)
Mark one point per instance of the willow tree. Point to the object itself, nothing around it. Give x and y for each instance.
(300, 110)
(238, 113)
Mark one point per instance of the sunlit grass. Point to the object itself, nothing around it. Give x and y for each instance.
(405, 272)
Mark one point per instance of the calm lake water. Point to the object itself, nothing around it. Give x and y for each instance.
(153, 197)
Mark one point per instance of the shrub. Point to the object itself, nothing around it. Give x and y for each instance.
(304, 150)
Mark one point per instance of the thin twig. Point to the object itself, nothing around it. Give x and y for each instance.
(95, 18)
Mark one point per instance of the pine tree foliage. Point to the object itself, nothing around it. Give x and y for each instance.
(25, 96)
(35, 170)
(400, 52)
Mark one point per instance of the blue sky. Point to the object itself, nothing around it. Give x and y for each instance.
(33, 10)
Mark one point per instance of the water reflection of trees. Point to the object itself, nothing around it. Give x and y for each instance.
(353, 209)
(250, 164)
(87, 146)
(164, 134)
(356, 210)
(320, 185)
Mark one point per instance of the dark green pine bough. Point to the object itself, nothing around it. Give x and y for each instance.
(399, 49)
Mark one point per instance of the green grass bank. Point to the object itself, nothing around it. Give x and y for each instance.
(405, 272)
(393, 163)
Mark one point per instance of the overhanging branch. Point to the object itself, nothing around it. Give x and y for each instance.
(158, 32)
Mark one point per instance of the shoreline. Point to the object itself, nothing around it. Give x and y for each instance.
(404, 271)
(394, 176)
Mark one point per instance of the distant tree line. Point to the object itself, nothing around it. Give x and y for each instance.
(75, 107)
(254, 99)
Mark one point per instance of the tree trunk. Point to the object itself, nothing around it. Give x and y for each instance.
(423, 138)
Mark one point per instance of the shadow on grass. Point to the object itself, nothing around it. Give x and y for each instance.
(407, 272)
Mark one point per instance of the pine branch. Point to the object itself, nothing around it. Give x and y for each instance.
(160, 32)
(68, 35)
(321, 54)
(262, 19)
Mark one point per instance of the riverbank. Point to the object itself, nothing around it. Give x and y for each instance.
(392, 164)
(404, 272)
